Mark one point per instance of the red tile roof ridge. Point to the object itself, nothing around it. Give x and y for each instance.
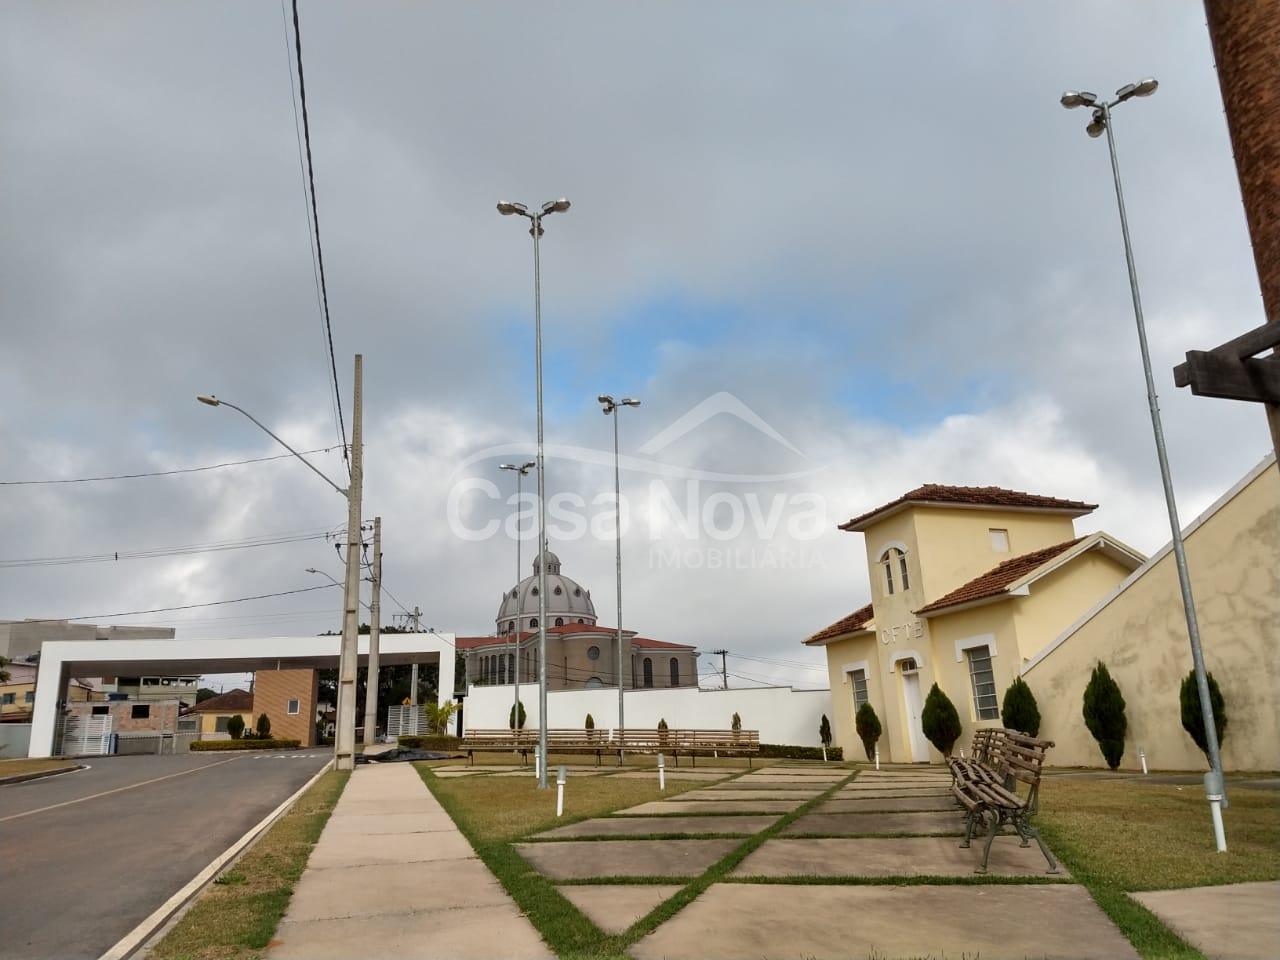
(848, 624)
(942, 494)
(999, 578)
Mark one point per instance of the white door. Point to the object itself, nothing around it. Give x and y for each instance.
(915, 728)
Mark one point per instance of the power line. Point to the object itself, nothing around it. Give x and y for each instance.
(179, 551)
(159, 473)
(187, 606)
(315, 224)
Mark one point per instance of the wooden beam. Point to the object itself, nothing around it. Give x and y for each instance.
(1211, 374)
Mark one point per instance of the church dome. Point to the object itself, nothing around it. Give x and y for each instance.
(567, 600)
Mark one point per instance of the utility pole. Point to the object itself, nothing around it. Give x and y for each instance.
(375, 627)
(724, 668)
(412, 621)
(344, 749)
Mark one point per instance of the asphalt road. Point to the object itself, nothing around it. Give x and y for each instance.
(86, 856)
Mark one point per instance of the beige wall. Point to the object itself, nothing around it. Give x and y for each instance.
(1060, 599)
(841, 654)
(1234, 560)
(272, 690)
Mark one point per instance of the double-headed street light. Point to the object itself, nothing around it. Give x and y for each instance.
(344, 741)
(521, 471)
(1098, 125)
(507, 208)
(610, 407)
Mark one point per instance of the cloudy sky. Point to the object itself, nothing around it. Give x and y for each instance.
(844, 249)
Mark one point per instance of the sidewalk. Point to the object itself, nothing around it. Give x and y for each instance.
(393, 876)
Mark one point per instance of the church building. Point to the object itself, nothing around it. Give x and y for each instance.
(581, 654)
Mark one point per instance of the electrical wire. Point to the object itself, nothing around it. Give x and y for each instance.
(159, 473)
(179, 551)
(315, 224)
(187, 606)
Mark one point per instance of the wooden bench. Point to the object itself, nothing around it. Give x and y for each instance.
(526, 741)
(691, 743)
(986, 786)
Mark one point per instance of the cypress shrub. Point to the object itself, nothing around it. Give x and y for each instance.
(824, 731)
(511, 716)
(736, 722)
(1018, 711)
(235, 727)
(589, 723)
(1104, 714)
(1193, 718)
(868, 727)
(263, 727)
(940, 721)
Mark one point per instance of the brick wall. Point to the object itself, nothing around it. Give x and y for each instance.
(272, 691)
(1246, 45)
(161, 714)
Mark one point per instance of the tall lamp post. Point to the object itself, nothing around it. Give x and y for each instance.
(344, 741)
(507, 208)
(1098, 125)
(521, 471)
(610, 408)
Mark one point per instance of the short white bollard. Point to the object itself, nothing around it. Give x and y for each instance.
(877, 758)
(824, 753)
(662, 773)
(1142, 755)
(560, 792)
(537, 767)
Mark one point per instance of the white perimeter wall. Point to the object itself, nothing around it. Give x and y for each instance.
(782, 715)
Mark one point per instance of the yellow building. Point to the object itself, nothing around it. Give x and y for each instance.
(967, 584)
(215, 712)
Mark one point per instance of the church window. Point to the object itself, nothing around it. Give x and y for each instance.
(648, 672)
(594, 683)
(502, 669)
(534, 591)
(558, 591)
(675, 672)
(894, 563)
(580, 620)
(559, 621)
(859, 680)
(577, 591)
(593, 653)
(533, 623)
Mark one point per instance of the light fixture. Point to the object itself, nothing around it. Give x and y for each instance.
(628, 402)
(209, 399)
(555, 206)
(507, 208)
(1146, 87)
(1078, 98)
(1099, 124)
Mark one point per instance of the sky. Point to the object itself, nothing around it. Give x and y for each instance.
(837, 250)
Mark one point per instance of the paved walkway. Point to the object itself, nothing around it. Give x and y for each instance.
(392, 876)
(1238, 921)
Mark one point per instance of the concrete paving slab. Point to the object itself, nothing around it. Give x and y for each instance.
(584, 859)
(855, 824)
(354, 850)
(830, 922)
(659, 807)
(455, 774)
(1238, 921)
(894, 804)
(715, 793)
(614, 907)
(673, 775)
(732, 785)
(890, 857)
(877, 782)
(375, 805)
(593, 772)
(399, 823)
(809, 771)
(384, 889)
(639, 826)
(871, 792)
(787, 778)
(429, 935)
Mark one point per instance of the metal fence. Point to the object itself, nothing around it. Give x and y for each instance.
(405, 721)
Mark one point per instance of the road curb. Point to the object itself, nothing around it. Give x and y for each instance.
(25, 777)
(128, 945)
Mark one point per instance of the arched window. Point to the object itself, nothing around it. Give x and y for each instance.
(675, 672)
(484, 669)
(502, 669)
(594, 683)
(533, 623)
(648, 672)
(580, 620)
(894, 564)
(559, 621)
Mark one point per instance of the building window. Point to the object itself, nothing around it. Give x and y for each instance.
(580, 620)
(594, 683)
(533, 624)
(593, 653)
(8, 698)
(141, 711)
(985, 701)
(559, 621)
(101, 711)
(502, 668)
(558, 591)
(534, 591)
(293, 707)
(220, 724)
(675, 672)
(29, 697)
(999, 540)
(648, 672)
(894, 563)
(859, 681)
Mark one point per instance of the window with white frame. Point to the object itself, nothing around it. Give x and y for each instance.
(894, 564)
(986, 704)
(999, 539)
(858, 678)
(293, 707)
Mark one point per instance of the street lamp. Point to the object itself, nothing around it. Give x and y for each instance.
(521, 470)
(507, 208)
(348, 656)
(1099, 124)
(334, 580)
(610, 408)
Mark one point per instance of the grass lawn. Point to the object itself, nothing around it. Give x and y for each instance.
(1118, 836)
(636, 760)
(20, 766)
(236, 916)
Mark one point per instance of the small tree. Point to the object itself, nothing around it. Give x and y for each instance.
(868, 726)
(511, 716)
(1193, 716)
(1018, 710)
(824, 731)
(736, 722)
(1104, 714)
(940, 721)
(263, 726)
(235, 727)
(590, 722)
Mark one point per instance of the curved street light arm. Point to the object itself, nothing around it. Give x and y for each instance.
(263, 427)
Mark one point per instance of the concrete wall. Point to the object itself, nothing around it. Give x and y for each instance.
(782, 715)
(272, 691)
(15, 739)
(1233, 552)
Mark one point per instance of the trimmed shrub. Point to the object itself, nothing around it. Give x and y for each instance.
(254, 744)
(511, 716)
(792, 752)
(1018, 710)
(263, 727)
(590, 722)
(1104, 714)
(824, 731)
(1193, 717)
(940, 721)
(443, 744)
(868, 726)
(235, 727)
(736, 722)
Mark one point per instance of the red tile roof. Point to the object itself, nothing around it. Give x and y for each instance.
(233, 701)
(995, 581)
(854, 621)
(940, 494)
(661, 644)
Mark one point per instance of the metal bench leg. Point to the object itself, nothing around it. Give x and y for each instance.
(986, 849)
(471, 758)
(1034, 834)
(968, 830)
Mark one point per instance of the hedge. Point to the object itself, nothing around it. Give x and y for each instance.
(790, 752)
(430, 742)
(213, 745)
